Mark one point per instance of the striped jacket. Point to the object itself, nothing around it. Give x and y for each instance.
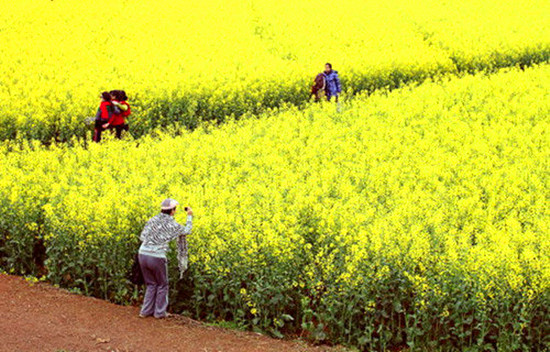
(159, 231)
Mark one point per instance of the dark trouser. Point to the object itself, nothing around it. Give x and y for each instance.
(119, 128)
(98, 128)
(329, 96)
(155, 275)
(319, 95)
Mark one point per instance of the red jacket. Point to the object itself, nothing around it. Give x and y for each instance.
(318, 84)
(105, 111)
(119, 119)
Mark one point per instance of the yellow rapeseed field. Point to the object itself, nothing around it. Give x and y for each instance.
(413, 218)
(417, 217)
(184, 61)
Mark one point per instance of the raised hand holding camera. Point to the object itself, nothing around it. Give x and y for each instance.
(189, 211)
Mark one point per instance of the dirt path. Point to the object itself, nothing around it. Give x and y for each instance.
(39, 317)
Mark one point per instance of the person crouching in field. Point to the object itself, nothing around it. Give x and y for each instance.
(156, 235)
(103, 115)
(333, 86)
(318, 88)
(120, 113)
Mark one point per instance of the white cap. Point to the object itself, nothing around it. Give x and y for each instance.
(168, 204)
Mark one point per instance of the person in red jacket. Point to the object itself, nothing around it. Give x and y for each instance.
(121, 112)
(103, 115)
(318, 88)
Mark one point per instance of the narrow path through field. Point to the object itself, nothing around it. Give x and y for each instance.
(39, 317)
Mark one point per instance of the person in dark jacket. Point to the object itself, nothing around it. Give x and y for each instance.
(318, 88)
(332, 87)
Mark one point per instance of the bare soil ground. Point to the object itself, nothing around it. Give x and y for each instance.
(39, 317)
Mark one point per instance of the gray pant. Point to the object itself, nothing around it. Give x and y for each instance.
(155, 275)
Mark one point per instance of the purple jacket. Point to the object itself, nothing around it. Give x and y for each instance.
(333, 87)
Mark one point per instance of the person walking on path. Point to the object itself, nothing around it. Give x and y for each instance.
(103, 115)
(158, 232)
(333, 87)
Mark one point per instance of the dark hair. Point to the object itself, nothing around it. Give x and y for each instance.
(119, 95)
(168, 211)
(329, 65)
(106, 96)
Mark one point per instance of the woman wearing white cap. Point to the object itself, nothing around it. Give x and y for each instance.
(156, 235)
